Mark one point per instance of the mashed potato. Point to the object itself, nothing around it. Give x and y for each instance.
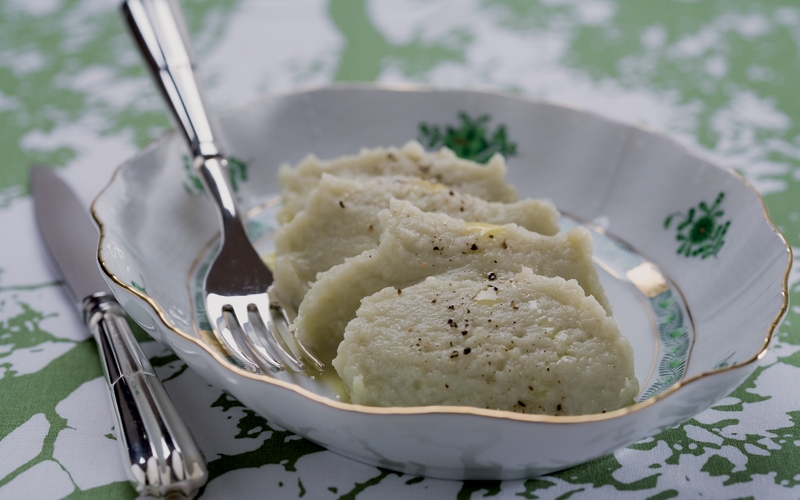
(340, 220)
(524, 343)
(483, 181)
(415, 245)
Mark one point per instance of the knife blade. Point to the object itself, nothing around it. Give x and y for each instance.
(161, 457)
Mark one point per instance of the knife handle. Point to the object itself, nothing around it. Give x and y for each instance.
(161, 457)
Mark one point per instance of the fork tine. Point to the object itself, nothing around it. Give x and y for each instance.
(215, 311)
(262, 309)
(251, 340)
(285, 333)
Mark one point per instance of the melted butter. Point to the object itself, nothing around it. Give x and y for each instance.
(269, 259)
(486, 232)
(484, 227)
(486, 296)
(334, 383)
(429, 185)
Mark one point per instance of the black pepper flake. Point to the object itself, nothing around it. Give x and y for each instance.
(399, 291)
(491, 236)
(454, 354)
(452, 193)
(446, 386)
(558, 408)
(521, 404)
(467, 350)
(341, 203)
(451, 307)
(433, 301)
(464, 333)
(492, 276)
(436, 248)
(474, 246)
(370, 228)
(504, 244)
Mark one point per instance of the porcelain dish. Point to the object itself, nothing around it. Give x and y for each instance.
(695, 270)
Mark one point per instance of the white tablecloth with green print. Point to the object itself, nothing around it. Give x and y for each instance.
(720, 75)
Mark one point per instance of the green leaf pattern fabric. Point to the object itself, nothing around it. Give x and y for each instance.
(719, 75)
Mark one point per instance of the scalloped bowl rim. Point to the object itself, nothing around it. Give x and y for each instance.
(455, 410)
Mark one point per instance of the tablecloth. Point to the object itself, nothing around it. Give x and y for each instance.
(721, 76)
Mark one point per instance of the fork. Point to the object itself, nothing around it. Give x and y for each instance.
(236, 288)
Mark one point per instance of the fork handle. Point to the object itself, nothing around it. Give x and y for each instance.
(213, 172)
(160, 33)
(160, 454)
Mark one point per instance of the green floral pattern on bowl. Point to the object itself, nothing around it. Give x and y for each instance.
(470, 139)
(700, 230)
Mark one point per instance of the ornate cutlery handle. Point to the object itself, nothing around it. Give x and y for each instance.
(160, 33)
(162, 457)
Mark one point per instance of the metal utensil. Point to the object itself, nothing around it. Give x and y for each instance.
(161, 456)
(236, 286)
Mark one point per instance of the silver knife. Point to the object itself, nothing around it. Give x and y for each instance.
(161, 457)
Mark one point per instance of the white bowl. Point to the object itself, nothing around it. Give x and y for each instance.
(697, 315)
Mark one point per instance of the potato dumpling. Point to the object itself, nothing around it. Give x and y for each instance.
(415, 245)
(517, 342)
(484, 181)
(340, 220)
